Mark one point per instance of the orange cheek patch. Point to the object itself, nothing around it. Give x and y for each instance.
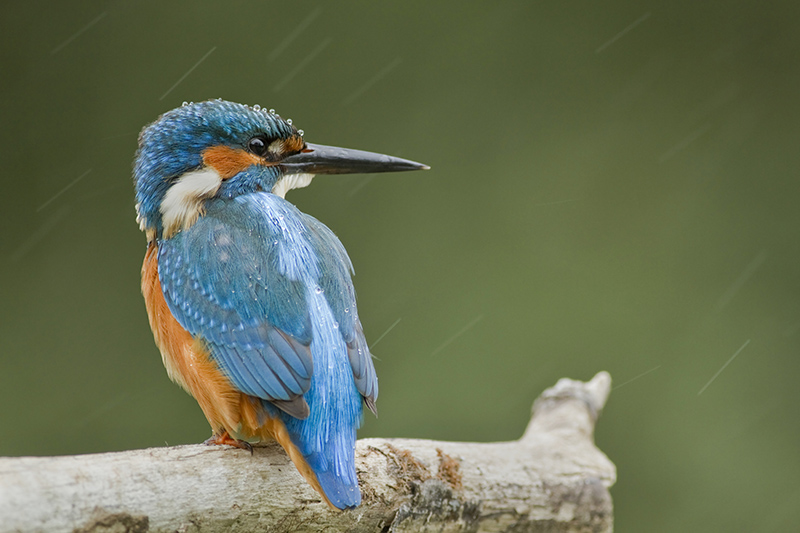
(293, 144)
(229, 161)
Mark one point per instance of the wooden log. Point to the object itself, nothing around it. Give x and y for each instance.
(552, 479)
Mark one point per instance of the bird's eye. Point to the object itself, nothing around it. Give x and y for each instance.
(258, 145)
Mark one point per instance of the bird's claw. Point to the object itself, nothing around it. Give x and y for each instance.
(224, 438)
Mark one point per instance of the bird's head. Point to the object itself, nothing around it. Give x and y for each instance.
(218, 149)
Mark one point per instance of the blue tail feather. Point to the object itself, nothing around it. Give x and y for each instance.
(327, 438)
(336, 471)
(330, 452)
(341, 495)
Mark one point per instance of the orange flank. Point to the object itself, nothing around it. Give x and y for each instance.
(228, 410)
(229, 161)
(185, 357)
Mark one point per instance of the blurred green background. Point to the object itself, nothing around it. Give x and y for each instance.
(614, 187)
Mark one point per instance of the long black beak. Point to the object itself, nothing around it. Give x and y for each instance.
(320, 159)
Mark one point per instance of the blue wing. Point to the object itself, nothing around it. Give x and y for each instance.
(239, 278)
(335, 281)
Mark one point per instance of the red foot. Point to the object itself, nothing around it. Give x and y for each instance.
(224, 438)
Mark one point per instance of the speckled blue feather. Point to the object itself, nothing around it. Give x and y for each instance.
(269, 289)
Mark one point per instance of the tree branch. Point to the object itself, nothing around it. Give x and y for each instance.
(552, 479)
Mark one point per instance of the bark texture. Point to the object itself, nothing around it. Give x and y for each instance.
(553, 479)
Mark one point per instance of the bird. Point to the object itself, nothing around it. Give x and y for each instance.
(251, 301)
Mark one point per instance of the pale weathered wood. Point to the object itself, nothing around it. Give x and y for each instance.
(552, 479)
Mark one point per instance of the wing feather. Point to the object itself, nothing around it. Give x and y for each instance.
(341, 296)
(234, 280)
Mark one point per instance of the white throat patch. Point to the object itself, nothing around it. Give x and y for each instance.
(183, 202)
(291, 181)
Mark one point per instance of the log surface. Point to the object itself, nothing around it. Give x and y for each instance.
(552, 479)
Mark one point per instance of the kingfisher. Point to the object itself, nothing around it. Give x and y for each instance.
(251, 301)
